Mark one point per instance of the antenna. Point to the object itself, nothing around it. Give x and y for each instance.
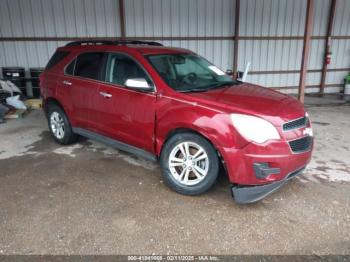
(246, 70)
(245, 73)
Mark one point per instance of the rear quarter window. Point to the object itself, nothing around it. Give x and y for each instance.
(57, 57)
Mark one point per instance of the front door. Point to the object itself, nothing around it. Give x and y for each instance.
(126, 114)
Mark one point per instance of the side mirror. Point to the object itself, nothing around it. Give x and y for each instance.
(138, 84)
(229, 72)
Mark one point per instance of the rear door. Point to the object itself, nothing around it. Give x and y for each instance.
(81, 80)
(49, 79)
(125, 114)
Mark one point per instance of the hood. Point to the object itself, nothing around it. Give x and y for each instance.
(252, 99)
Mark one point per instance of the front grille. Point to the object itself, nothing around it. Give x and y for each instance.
(294, 124)
(301, 145)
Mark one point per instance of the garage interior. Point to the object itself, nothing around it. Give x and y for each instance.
(88, 198)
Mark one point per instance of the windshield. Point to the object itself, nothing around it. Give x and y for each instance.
(189, 73)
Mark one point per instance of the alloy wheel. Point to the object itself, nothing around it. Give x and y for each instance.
(188, 163)
(57, 125)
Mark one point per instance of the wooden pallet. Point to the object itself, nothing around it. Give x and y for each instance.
(34, 103)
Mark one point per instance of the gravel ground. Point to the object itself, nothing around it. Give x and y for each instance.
(91, 199)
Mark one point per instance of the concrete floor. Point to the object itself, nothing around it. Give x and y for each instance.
(91, 199)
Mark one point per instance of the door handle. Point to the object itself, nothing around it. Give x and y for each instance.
(106, 95)
(67, 83)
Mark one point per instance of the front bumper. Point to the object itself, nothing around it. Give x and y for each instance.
(258, 170)
(251, 194)
(262, 164)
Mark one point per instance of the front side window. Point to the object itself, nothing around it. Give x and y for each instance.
(189, 73)
(121, 68)
(89, 65)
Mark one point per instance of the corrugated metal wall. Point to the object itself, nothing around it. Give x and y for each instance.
(51, 18)
(100, 18)
(287, 18)
(272, 18)
(179, 18)
(317, 49)
(340, 47)
(185, 18)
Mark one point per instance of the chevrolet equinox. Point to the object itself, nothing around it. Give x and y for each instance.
(173, 106)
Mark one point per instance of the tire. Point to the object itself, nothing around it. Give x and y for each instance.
(58, 120)
(201, 169)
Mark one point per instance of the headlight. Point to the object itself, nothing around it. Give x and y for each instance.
(254, 128)
(308, 130)
(307, 118)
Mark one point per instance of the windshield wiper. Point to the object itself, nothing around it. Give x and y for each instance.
(193, 90)
(219, 85)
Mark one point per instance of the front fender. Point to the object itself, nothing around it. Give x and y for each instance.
(216, 126)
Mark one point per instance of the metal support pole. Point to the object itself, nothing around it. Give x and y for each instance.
(236, 39)
(328, 48)
(122, 18)
(306, 48)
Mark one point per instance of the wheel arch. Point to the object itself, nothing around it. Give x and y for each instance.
(51, 101)
(182, 130)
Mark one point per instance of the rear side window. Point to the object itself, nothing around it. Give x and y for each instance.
(57, 57)
(89, 65)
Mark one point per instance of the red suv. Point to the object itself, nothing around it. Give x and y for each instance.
(171, 105)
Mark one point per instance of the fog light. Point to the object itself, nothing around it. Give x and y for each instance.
(263, 170)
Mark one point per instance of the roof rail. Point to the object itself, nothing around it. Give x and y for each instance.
(110, 42)
(137, 42)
